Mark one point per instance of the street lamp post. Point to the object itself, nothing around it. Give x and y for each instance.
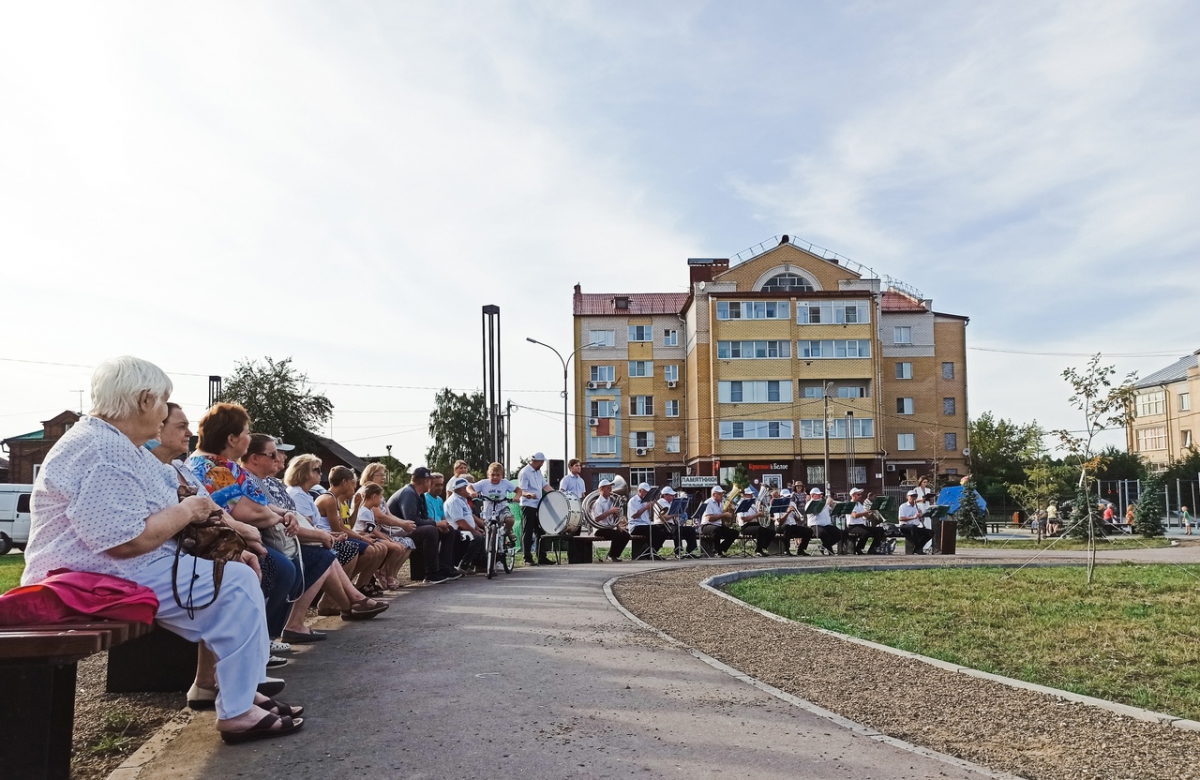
(566, 451)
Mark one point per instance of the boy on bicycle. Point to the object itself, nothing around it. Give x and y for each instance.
(496, 486)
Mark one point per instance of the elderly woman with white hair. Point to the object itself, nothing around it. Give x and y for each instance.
(100, 504)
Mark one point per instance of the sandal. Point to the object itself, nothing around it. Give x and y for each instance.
(281, 709)
(263, 729)
(359, 610)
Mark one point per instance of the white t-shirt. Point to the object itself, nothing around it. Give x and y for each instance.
(821, 518)
(852, 520)
(635, 505)
(365, 522)
(713, 509)
(602, 505)
(909, 514)
(459, 508)
(531, 481)
(307, 507)
(501, 489)
(573, 485)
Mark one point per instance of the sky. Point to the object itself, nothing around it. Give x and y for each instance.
(346, 184)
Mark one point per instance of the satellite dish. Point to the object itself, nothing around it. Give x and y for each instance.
(966, 452)
(701, 285)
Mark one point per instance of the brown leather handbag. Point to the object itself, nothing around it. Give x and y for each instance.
(212, 540)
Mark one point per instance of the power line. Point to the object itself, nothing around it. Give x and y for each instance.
(1082, 354)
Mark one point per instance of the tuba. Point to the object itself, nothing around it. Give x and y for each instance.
(619, 486)
(731, 504)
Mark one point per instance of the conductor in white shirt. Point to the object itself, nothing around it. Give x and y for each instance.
(532, 485)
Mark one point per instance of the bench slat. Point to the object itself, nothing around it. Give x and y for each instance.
(50, 644)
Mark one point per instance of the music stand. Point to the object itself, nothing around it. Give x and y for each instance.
(815, 506)
(936, 514)
(699, 518)
(781, 505)
(678, 510)
(883, 504)
(745, 505)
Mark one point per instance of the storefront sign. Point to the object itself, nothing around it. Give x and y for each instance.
(768, 466)
(697, 482)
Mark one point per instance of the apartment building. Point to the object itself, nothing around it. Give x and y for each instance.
(1163, 425)
(754, 366)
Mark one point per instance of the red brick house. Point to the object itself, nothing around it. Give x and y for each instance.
(27, 451)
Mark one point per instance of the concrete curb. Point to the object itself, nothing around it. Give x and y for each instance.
(132, 767)
(712, 584)
(796, 701)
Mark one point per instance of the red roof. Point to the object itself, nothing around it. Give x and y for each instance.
(898, 301)
(639, 303)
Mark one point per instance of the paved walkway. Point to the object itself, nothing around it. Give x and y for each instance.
(535, 675)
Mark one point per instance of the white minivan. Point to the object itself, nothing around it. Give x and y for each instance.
(14, 516)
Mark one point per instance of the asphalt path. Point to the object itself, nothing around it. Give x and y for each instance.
(532, 675)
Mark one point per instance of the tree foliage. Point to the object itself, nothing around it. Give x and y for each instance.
(1000, 449)
(1148, 515)
(971, 521)
(459, 429)
(1086, 520)
(280, 403)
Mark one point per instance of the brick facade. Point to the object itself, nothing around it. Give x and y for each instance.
(27, 452)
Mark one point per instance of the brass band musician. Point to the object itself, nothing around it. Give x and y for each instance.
(675, 525)
(822, 522)
(713, 522)
(641, 519)
(605, 509)
(858, 526)
(912, 524)
(791, 525)
(756, 521)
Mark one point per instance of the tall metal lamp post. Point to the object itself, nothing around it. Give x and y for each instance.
(566, 451)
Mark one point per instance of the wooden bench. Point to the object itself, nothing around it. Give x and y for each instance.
(579, 548)
(38, 666)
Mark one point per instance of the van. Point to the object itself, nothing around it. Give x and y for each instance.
(14, 517)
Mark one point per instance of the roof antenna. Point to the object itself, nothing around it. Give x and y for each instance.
(783, 240)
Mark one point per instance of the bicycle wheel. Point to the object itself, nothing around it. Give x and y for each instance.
(490, 543)
(509, 553)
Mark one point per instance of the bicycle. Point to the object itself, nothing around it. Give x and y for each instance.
(495, 545)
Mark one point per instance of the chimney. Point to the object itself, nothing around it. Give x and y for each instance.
(705, 269)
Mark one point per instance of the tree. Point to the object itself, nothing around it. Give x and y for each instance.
(398, 474)
(278, 400)
(459, 429)
(1038, 489)
(1000, 450)
(741, 477)
(1148, 516)
(970, 517)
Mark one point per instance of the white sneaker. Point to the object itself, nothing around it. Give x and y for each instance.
(280, 647)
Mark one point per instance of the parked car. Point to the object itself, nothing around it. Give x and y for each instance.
(14, 517)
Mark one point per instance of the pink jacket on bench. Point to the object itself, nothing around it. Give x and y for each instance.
(66, 596)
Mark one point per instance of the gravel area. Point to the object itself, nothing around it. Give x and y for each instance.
(1028, 734)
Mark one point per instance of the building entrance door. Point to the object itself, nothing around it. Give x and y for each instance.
(774, 480)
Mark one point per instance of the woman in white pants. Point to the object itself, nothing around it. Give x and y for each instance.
(100, 504)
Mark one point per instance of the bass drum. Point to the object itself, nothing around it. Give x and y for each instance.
(560, 513)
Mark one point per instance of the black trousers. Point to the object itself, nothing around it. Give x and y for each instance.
(425, 561)
(723, 538)
(617, 541)
(467, 552)
(531, 529)
(918, 534)
(864, 533)
(801, 532)
(829, 535)
(687, 536)
(763, 535)
(657, 534)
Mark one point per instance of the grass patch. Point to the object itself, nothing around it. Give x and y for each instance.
(11, 566)
(1134, 637)
(1110, 543)
(115, 735)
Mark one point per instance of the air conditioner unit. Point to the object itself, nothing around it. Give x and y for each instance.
(641, 450)
(891, 467)
(593, 421)
(672, 384)
(592, 385)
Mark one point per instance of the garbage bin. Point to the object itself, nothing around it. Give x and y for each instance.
(949, 536)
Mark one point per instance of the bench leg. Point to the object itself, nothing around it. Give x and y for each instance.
(37, 721)
(160, 661)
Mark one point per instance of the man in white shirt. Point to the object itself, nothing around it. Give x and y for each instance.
(858, 526)
(606, 517)
(468, 544)
(822, 521)
(684, 534)
(641, 513)
(790, 525)
(712, 522)
(756, 523)
(532, 485)
(911, 525)
(573, 483)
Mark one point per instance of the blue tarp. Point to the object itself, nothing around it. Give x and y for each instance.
(950, 497)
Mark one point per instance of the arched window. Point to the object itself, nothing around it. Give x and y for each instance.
(787, 282)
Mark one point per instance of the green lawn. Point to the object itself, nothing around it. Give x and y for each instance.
(1134, 637)
(11, 566)
(1113, 543)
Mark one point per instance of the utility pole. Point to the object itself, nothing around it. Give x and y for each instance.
(491, 376)
(850, 450)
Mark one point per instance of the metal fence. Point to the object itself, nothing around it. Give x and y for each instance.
(1178, 494)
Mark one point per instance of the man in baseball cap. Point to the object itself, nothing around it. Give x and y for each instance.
(712, 524)
(468, 527)
(822, 523)
(532, 485)
(858, 527)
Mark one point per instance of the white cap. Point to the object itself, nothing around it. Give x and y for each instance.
(668, 491)
(458, 483)
(644, 486)
(604, 483)
(785, 493)
(749, 491)
(855, 491)
(537, 456)
(816, 492)
(717, 489)
(916, 493)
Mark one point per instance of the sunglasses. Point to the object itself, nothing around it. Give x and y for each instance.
(271, 455)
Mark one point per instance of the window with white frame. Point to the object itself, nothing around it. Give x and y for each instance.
(816, 475)
(906, 441)
(813, 391)
(641, 405)
(904, 371)
(641, 439)
(641, 333)
(602, 338)
(602, 409)
(1185, 402)
(639, 475)
(902, 334)
(604, 373)
(752, 310)
(950, 442)
(603, 445)
(947, 370)
(852, 391)
(670, 338)
(948, 406)
(787, 282)
(671, 373)
(758, 392)
(756, 429)
(863, 427)
(812, 429)
(672, 444)
(1150, 403)
(857, 475)
(1185, 438)
(671, 408)
(833, 312)
(904, 406)
(746, 350)
(1151, 439)
(641, 368)
(834, 348)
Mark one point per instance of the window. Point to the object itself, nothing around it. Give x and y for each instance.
(640, 475)
(672, 444)
(834, 348)
(1185, 402)
(787, 282)
(672, 408)
(857, 475)
(904, 406)
(671, 373)
(811, 429)
(1151, 439)
(747, 392)
(23, 502)
(864, 428)
(812, 391)
(745, 350)
(604, 374)
(752, 310)
(947, 370)
(833, 313)
(1151, 403)
(641, 368)
(641, 439)
(641, 405)
(816, 475)
(603, 445)
(670, 338)
(1185, 440)
(641, 333)
(951, 442)
(602, 338)
(906, 441)
(602, 409)
(901, 334)
(904, 370)
(948, 406)
(852, 391)
(756, 429)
